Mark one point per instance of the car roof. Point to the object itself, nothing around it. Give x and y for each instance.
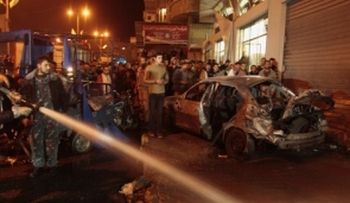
(238, 80)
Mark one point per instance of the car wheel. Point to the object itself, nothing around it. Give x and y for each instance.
(80, 144)
(238, 144)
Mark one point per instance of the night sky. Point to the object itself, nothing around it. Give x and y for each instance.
(50, 16)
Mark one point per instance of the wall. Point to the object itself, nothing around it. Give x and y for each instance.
(276, 32)
(244, 20)
(276, 12)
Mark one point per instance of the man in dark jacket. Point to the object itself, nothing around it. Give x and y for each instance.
(46, 89)
(9, 110)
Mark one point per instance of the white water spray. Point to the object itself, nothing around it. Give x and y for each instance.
(210, 193)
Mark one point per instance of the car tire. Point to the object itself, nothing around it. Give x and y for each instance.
(238, 144)
(80, 144)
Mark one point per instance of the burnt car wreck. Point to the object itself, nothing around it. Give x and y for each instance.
(241, 111)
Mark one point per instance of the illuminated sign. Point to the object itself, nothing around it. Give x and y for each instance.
(165, 34)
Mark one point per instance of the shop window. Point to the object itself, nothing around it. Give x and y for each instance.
(252, 41)
(162, 15)
(219, 50)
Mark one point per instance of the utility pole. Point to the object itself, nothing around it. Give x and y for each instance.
(8, 23)
(78, 25)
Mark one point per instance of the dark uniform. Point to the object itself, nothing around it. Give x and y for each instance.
(47, 91)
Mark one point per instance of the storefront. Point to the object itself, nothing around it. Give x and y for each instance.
(318, 45)
(252, 41)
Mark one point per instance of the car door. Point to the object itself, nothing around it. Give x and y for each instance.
(205, 110)
(187, 116)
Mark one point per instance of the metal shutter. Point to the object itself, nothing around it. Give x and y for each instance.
(317, 49)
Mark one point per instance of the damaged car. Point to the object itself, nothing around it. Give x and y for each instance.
(240, 112)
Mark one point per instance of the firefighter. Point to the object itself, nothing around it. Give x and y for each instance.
(45, 88)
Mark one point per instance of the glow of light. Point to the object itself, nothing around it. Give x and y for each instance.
(163, 11)
(86, 12)
(96, 33)
(106, 34)
(105, 46)
(70, 69)
(58, 40)
(162, 14)
(70, 12)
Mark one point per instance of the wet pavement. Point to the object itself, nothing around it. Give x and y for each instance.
(272, 176)
(269, 176)
(91, 177)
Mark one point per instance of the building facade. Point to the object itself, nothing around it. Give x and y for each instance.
(174, 26)
(308, 38)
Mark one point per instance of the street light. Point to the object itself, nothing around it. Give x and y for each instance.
(106, 34)
(85, 13)
(95, 33)
(101, 36)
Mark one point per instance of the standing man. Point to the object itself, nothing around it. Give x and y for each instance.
(141, 88)
(156, 77)
(45, 88)
(267, 71)
(106, 78)
(236, 70)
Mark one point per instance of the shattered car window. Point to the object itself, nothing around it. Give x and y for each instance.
(272, 97)
(273, 92)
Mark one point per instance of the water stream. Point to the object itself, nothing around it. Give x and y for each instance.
(195, 185)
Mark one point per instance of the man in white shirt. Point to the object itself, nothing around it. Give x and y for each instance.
(236, 70)
(106, 78)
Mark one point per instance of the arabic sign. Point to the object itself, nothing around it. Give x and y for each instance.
(165, 34)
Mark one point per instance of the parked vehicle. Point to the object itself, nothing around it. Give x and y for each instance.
(240, 111)
(112, 111)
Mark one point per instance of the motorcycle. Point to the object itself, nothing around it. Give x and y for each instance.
(125, 116)
(113, 111)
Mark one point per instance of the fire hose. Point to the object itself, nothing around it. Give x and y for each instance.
(17, 98)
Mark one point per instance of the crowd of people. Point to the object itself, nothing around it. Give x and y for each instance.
(184, 73)
(150, 79)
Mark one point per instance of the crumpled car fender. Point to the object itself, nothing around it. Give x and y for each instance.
(311, 97)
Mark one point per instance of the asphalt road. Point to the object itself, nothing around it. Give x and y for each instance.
(269, 176)
(97, 176)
